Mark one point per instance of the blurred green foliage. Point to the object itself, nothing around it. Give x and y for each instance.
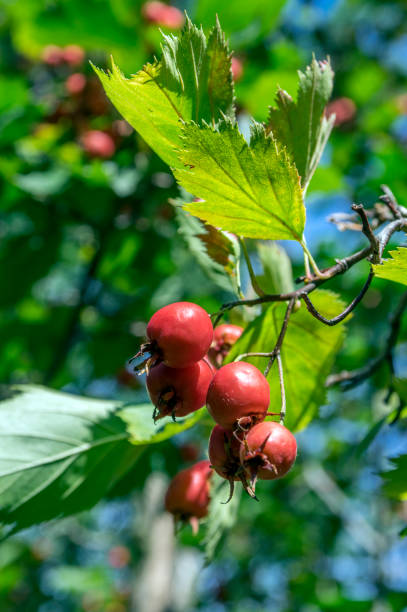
(89, 248)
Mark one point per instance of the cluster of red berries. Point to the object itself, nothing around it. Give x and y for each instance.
(183, 358)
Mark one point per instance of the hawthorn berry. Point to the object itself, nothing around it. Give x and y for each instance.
(239, 394)
(224, 336)
(237, 69)
(52, 55)
(163, 15)
(178, 391)
(98, 144)
(75, 83)
(268, 453)
(73, 55)
(187, 497)
(224, 455)
(179, 335)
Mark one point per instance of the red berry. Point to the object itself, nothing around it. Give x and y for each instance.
(269, 451)
(224, 453)
(344, 110)
(238, 391)
(178, 391)
(163, 15)
(98, 144)
(237, 69)
(75, 83)
(73, 55)
(52, 55)
(180, 334)
(187, 497)
(224, 336)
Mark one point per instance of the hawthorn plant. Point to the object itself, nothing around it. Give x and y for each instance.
(60, 454)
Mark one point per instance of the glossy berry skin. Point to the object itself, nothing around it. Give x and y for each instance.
(188, 493)
(224, 453)
(270, 452)
(238, 390)
(180, 334)
(224, 337)
(177, 392)
(98, 144)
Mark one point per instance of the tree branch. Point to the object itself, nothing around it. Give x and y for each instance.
(368, 232)
(341, 266)
(311, 308)
(352, 378)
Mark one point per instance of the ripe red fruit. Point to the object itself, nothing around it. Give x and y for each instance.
(52, 55)
(98, 144)
(73, 55)
(224, 336)
(224, 453)
(269, 452)
(238, 392)
(237, 69)
(163, 15)
(187, 497)
(178, 391)
(75, 83)
(179, 335)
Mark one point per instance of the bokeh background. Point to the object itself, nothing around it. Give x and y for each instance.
(89, 249)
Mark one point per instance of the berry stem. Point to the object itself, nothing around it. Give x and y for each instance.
(282, 388)
(252, 275)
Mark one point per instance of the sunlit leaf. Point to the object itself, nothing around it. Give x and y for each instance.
(308, 354)
(394, 269)
(250, 190)
(301, 125)
(192, 81)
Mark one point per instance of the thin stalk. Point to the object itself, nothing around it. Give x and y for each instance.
(252, 275)
(282, 389)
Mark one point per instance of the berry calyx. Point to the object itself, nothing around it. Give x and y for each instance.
(187, 497)
(224, 337)
(269, 451)
(238, 396)
(179, 335)
(177, 392)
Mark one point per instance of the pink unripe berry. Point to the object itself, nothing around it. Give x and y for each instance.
(98, 144)
(73, 55)
(75, 83)
(52, 55)
(163, 15)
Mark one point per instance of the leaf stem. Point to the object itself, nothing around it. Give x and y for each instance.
(252, 275)
(282, 389)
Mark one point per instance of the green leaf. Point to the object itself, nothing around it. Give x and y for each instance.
(217, 252)
(308, 354)
(396, 479)
(60, 453)
(394, 269)
(221, 516)
(250, 190)
(403, 532)
(277, 274)
(301, 126)
(192, 81)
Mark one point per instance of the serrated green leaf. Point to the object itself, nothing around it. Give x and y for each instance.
(308, 354)
(192, 81)
(250, 190)
(221, 516)
(301, 126)
(217, 252)
(277, 274)
(60, 453)
(396, 479)
(394, 269)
